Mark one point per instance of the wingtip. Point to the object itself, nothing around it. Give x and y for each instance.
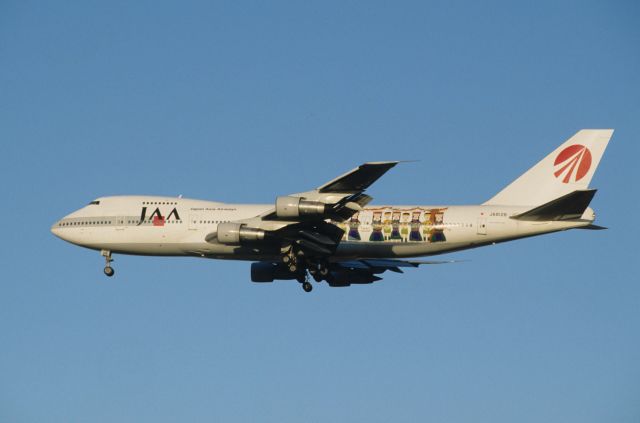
(593, 227)
(381, 163)
(439, 261)
(390, 162)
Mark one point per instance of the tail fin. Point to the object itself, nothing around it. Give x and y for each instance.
(568, 168)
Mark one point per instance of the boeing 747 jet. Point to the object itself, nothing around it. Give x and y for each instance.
(333, 233)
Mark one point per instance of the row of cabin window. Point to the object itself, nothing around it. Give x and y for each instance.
(132, 222)
(212, 221)
(85, 223)
(109, 222)
(170, 203)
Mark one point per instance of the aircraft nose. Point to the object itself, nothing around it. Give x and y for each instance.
(56, 230)
(67, 231)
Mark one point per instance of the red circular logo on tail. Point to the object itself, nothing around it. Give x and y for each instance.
(573, 163)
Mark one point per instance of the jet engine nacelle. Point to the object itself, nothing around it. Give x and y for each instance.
(266, 272)
(297, 207)
(238, 233)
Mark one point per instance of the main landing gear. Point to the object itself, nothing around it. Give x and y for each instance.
(291, 260)
(294, 260)
(301, 267)
(108, 270)
(303, 278)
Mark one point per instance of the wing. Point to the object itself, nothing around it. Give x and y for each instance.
(358, 179)
(339, 198)
(344, 273)
(300, 221)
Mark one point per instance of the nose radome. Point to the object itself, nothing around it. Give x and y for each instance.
(55, 229)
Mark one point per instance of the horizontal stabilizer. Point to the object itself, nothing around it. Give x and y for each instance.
(568, 207)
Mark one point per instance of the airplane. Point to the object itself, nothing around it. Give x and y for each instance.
(332, 233)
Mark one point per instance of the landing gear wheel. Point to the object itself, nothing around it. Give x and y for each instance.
(293, 268)
(324, 270)
(108, 270)
(307, 286)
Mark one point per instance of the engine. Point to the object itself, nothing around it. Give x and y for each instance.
(238, 233)
(266, 272)
(297, 207)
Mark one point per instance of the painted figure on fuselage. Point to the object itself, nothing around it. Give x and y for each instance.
(354, 228)
(395, 227)
(414, 235)
(404, 226)
(376, 234)
(436, 233)
(427, 224)
(386, 225)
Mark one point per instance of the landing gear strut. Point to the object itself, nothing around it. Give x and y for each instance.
(108, 270)
(303, 278)
(294, 259)
(302, 266)
(323, 268)
(319, 270)
(290, 259)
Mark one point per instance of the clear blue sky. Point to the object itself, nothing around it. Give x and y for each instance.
(242, 101)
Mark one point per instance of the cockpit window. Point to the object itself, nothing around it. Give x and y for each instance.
(95, 202)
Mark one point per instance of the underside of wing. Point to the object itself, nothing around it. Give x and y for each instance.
(351, 272)
(300, 221)
(339, 273)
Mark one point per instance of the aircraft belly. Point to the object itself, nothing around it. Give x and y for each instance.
(141, 248)
(391, 250)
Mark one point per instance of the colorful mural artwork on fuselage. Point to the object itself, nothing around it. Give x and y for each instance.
(387, 224)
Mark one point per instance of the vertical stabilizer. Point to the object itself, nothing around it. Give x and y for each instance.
(568, 168)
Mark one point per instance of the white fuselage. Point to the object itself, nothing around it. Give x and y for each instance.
(169, 226)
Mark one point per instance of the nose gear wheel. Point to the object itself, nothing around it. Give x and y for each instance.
(108, 270)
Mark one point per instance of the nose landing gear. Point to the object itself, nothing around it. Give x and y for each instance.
(108, 270)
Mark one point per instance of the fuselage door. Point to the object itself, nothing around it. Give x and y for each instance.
(120, 223)
(482, 226)
(193, 221)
